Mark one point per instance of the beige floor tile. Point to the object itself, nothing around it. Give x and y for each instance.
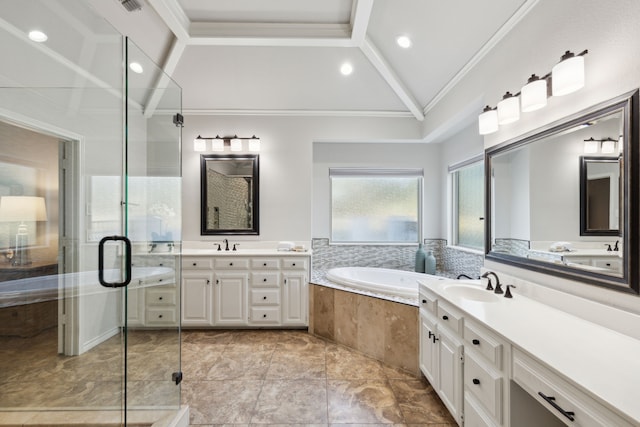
(298, 401)
(344, 363)
(221, 402)
(362, 401)
(297, 365)
(419, 403)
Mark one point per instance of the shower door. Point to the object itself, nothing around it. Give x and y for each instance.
(89, 327)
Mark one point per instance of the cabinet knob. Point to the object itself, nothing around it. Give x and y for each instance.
(159, 280)
(424, 301)
(195, 264)
(161, 264)
(445, 317)
(208, 282)
(264, 315)
(264, 297)
(264, 280)
(294, 264)
(265, 264)
(160, 298)
(217, 281)
(475, 342)
(476, 381)
(160, 316)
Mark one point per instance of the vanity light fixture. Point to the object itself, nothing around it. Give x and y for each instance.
(608, 146)
(566, 77)
(219, 143)
(488, 121)
(508, 109)
(591, 145)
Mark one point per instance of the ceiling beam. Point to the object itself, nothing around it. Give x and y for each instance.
(384, 68)
(170, 64)
(360, 16)
(173, 15)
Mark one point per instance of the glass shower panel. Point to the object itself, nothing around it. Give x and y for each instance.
(153, 221)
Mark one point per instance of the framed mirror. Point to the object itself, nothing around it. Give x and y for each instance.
(541, 213)
(229, 194)
(600, 195)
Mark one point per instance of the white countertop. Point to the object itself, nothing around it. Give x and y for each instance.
(581, 253)
(242, 252)
(605, 363)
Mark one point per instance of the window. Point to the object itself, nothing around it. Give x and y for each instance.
(375, 205)
(467, 180)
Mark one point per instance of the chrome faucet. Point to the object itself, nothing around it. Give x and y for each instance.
(498, 289)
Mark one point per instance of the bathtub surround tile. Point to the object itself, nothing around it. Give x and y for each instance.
(400, 332)
(346, 318)
(362, 401)
(323, 312)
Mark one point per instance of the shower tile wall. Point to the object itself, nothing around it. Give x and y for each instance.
(449, 262)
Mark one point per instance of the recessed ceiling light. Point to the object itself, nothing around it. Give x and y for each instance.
(136, 67)
(346, 69)
(404, 42)
(38, 36)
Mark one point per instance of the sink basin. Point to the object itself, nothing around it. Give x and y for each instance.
(472, 293)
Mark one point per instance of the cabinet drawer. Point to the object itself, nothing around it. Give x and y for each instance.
(265, 297)
(474, 416)
(161, 316)
(225, 263)
(265, 315)
(161, 296)
(294, 263)
(265, 263)
(612, 263)
(197, 263)
(484, 343)
(428, 302)
(450, 317)
(265, 279)
(566, 402)
(485, 384)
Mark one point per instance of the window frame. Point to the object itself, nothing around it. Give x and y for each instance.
(453, 202)
(377, 173)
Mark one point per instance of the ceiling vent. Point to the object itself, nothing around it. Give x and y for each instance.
(131, 5)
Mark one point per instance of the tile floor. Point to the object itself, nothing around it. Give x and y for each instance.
(244, 378)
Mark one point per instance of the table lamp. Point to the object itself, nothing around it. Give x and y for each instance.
(22, 209)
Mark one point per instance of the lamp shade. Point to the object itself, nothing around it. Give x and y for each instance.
(236, 144)
(533, 95)
(254, 144)
(488, 121)
(217, 144)
(199, 144)
(22, 208)
(608, 146)
(567, 76)
(508, 109)
(590, 146)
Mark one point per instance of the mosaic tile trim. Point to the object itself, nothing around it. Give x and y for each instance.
(517, 247)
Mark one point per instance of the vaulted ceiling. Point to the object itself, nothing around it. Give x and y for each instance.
(284, 56)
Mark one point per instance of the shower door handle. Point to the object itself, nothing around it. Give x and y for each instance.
(127, 262)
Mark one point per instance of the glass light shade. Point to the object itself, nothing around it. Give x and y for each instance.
(567, 76)
(590, 146)
(533, 95)
(508, 109)
(608, 146)
(199, 144)
(217, 144)
(254, 144)
(488, 122)
(22, 208)
(236, 144)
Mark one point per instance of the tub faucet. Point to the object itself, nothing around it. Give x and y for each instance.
(498, 289)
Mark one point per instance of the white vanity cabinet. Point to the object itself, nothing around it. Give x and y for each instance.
(230, 290)
(153, 302)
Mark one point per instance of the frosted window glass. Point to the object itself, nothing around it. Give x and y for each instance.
(375, 209)
(469, 188)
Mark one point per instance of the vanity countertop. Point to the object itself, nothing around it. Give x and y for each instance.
(603, 362)
(242, 252)
(582, 253)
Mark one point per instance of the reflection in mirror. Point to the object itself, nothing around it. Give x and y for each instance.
(599, 195)
(229, 194)
(554, 210)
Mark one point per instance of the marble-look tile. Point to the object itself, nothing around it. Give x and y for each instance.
(260, 340)
(300, 341)
(208, 336)
(346, 318)
(419, 403)
(323, 310)
(221, 402)
(152, 365)
(295, 401)
(394, 373)
(198, 360)
(297, 365)
(371, 326)
(362, 401)
(401, 337)
(152, 394)
(234, 364)
(346, 364)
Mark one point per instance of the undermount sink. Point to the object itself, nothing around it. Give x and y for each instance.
(468, 292)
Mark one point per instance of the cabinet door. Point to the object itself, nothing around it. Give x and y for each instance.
(294, 299)
(450, 372)
(196, 299)
(135, 306)
(428, 351)
(230, 300)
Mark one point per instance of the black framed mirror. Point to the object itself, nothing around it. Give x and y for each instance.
(229, 194)
(534, 208)
(600, 202)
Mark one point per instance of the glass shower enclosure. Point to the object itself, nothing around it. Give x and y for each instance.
(90, 223)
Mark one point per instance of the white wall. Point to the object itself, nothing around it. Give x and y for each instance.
(376, 155)
(285, 165)
(609, 29)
